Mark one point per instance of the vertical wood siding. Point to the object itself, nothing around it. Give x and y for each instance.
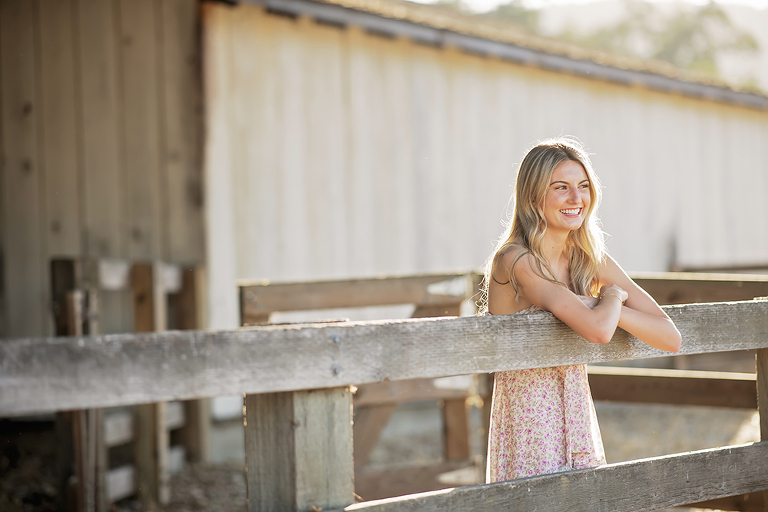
(100, 103)
(352, 154)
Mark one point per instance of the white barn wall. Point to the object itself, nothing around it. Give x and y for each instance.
(351, 154)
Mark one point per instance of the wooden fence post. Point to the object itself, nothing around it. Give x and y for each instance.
(298, 450)
(455, 417)
(152, 440)
(761, 366)
(196, 433)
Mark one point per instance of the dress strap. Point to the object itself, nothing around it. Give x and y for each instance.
(497, 281)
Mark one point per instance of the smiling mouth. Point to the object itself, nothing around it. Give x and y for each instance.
(571, 212)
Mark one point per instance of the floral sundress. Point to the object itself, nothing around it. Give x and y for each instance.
(543, 421)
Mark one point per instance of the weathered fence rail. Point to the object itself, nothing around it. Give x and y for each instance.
(51, 374)
(299, 405)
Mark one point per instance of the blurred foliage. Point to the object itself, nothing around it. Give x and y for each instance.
(516, 12)
(690, 39)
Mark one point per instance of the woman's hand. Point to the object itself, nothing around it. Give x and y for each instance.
(589, 301)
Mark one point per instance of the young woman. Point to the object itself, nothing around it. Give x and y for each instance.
(552, 258)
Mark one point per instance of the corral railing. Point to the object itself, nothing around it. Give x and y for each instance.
(298, 404)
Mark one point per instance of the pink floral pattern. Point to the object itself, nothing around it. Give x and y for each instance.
(542, 421)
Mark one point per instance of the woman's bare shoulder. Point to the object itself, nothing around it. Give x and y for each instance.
(511, 254)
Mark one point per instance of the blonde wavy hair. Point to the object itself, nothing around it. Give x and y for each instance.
(528, 225)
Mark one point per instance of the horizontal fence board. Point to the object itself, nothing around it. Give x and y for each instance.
(51, 374)
(675, 387)
(693, 287)
(435, 289)
(635, 486)
(405, 391)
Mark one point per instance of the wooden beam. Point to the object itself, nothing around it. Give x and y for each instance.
(690, 287)
(456, 429)
(416, 390)
(152, 439)
(49, 374)
(677, 387)
(259, 299)
(151, 454)
(761, 367)
(635, 486)
(369, 422)
(298, 450)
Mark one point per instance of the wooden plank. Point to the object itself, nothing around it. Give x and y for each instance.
(196, 434)
(151, 439)
(49, 374)
(121, 482)
(436, 311)
(174, 417)
(380, 393)
(298, 450)
(83, 473)
(98, 137)
(456, 429)
(376, 483)
(636, 486)
(25, 257)
(182, 125)
(149, 298)
(677, 387)
(369, 422)
(59, 119)
(142, 188)
(690, 287)
(151, 454)
(99, 126)
(259, 299)
(761, 367)
(118, 427)
(176, 457)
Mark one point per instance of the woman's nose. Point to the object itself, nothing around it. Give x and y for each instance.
(573, 195)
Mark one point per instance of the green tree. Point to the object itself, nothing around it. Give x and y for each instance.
(687, 39)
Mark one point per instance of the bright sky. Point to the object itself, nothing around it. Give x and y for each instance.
(484, 5)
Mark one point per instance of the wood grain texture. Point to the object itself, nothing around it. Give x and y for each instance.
(676, 387)
(261, 299)
(49, 374)
(182, 126)
(636, 486)
(298, 449)
(97, 68)
(143, 228)
(151, 454)
(59, 118)
(99, 124)
(26, 279)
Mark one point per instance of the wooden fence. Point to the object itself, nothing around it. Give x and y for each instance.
(299, 447)
(161, 294)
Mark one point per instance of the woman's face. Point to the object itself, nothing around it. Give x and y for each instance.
(568, 197)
